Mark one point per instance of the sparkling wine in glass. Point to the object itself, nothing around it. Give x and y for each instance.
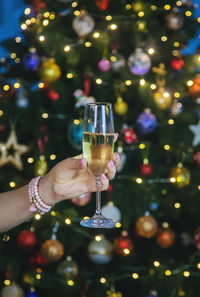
(98, 147)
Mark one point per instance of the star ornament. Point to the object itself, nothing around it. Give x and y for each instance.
(196, 130)
(18, 149)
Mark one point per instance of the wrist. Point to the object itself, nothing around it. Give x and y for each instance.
(45, 190)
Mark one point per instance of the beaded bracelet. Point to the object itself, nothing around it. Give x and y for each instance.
(37, 204)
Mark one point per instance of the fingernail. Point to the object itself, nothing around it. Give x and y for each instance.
(104, 176)
(116, 155)
(82, 161)
(111, 163)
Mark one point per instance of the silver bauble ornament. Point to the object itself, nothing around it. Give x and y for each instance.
(110, 211)
(12, 291)
(68, 269)
(139, 62)
(83, 24)
(100, 252)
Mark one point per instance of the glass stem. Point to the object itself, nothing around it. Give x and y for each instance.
(98, 203)
(98, 196)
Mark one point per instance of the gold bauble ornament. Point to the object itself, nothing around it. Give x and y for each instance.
(146, 226)
(162, 99)
(137, 6)
(18, 150)
(112, 293)
(120, 107)
(52, 250)
(50, 71)
(41, 166)
(180, 176)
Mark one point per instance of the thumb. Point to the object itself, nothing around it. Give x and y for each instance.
(72, 163)
(115, 137)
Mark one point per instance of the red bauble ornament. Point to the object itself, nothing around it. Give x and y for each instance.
(177, 63)
(165, 237)
(130, 136)
(194, 90)
(123, 245)
(53, 95)
(2, 128)
(146, 169)
(196, 157)
(38, 260)
(102, 4)
(26, 240)
(197, 238)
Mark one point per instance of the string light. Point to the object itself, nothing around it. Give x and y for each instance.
(141, 26)
(177, 205)
(7, 282)
(113, 27)
(175, 53)
(27, 11)
(151, 51)
(6, 237)
(45, 22)
(99, 81)
(69, 75)
(17, 60)
(167, 147)
(16, 85)
(190, 83)
(168, 272)
(70, 282)
(142, 146)
(108, 18)
(41, 38)
(28, 22)
(46, 14)
(176, 43)
(53, 213)
(98, 238)
(77, 13)
(74, 4)
(45, 115)
(179, 3)
(118, 225)
(18, 39)
(177, 95)
(96, 35)
(172, 179)
(142, 82)
(198, 19)
(126, 251)
(6, 87)
(141, 14)
(139, 180)
(41, 85)
(67, 48)
(103, 280)
(68, 221)
(76, 122)
(153, 86)
(12, 184)
(13, 55)
(1, 112)
(52, 16)
(30, 160)
(135, 275)
(198, 187)
(33, 20)
(156, 263)
(128, 82)
(88, 44)
(23, 26)
(153, 7)
(38, 216)
(38, 276)
(167, 7)
(188, 13)
(164, 38)
(128, 6)
(52, 157)
(165, 224)
(171, 122)
(198, 265)
(186, 273)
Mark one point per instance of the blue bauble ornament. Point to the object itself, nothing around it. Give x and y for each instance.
(146, 122)
(153, 205)
(30, 61)
(31, 294)
(75, 133)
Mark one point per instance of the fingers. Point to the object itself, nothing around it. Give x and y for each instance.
(72, 163)
(112, 165)
(104, 182)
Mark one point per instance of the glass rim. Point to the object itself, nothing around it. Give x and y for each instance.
(99, 103)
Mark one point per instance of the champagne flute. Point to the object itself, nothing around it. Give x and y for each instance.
(98, 146)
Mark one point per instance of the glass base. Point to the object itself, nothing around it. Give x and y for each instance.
(98, 221)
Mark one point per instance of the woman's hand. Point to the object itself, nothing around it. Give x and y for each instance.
(71, 178)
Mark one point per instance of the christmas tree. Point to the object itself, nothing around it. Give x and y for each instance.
(130, 54)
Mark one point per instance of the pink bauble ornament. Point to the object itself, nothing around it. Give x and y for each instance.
(104, 65)
(82, 200)
(197, 238)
